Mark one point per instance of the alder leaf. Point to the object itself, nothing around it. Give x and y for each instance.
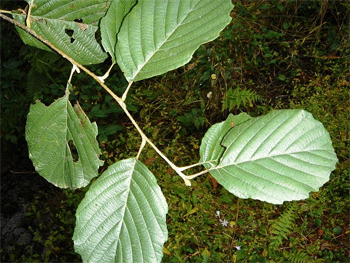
(122, 217)
(111, 23)
(161, 35)
(279, 157)
(68, 25)
(211, 148)
(53, 135)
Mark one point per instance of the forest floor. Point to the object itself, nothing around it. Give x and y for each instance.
(20, 185)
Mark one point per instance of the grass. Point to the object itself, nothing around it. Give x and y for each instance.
(289, 55)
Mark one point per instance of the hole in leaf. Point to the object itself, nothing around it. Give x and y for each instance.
(80, 20)
(73, 151)
(69, 32)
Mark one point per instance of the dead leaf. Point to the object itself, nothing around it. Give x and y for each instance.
(214, 183)
(150, 160)
(82, 26)
(320, 232)
(325, 245)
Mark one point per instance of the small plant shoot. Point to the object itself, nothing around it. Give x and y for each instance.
(281, 156)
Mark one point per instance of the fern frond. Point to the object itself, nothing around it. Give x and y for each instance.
(42, 60)
(282, 226)
(237, 97)
(298, 257)
(194, 117)
(35, 83)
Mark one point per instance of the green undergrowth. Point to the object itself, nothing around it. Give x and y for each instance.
(274, 55)
(279, 70)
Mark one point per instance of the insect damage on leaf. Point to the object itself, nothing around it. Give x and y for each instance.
(82, 26)
(82, 116)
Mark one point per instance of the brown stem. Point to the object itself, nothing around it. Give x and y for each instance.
(118, 99)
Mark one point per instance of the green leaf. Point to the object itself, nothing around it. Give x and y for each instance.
(52, 133)
(70, 26)
(111, 23)
(122, 218)
(158, 35)
(279, 157)
(211, 149)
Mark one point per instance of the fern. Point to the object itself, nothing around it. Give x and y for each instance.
(298, 257)
(36, 83)
(283, 226)
(44, 65)
(280, 230)
(43, 61)
(237, 97)
(195, 116)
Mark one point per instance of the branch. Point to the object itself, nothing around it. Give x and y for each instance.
(29, 12)
(64, 55)
(119, 100)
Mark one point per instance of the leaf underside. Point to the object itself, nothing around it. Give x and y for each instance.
(68, 25)
(122, 218)
(211, 149)
(158, 36)
(111, 23)
(51, 133)
(279, 157)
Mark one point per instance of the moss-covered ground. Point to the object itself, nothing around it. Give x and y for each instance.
(276, 55)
